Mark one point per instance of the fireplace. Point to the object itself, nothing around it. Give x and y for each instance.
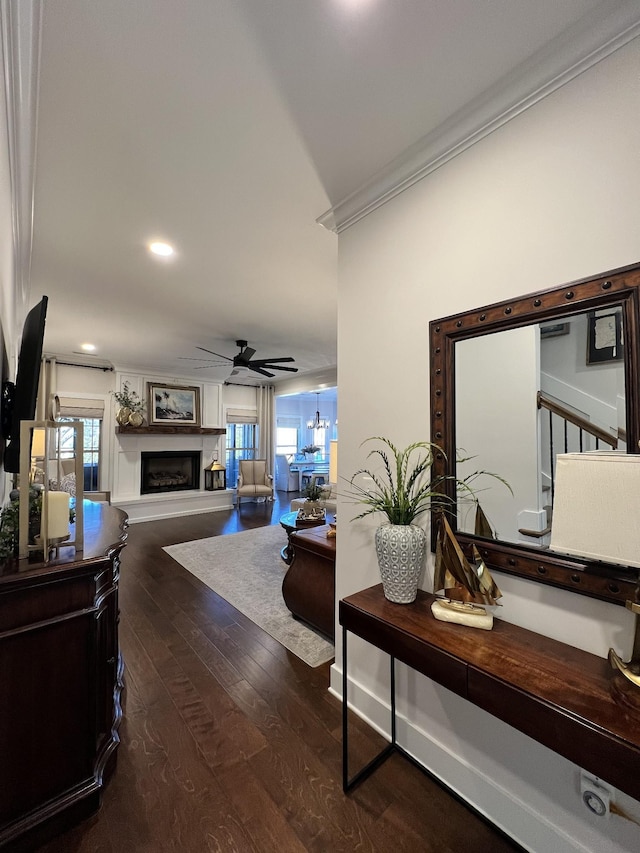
(170, 471)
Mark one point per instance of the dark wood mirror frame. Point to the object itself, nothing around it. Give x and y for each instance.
(618, 287)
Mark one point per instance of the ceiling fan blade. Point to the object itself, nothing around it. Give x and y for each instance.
(261, 371)
(226, 357)
(211, 366)
(188, 358)
(248, 353)
(243, 359)
(277, 367)
(267, 361)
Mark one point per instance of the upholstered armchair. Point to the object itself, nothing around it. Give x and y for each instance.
(253, 480)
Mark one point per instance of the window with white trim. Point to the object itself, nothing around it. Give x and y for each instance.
(242, 440)
(90, 412)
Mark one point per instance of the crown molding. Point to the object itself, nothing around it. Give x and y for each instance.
(596, 37)
(21, 24)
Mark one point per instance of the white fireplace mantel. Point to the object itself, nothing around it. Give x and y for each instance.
(125, 491)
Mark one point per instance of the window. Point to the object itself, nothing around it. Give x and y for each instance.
(242, 443)
(286, 440)
(90, 452)
(320, 440)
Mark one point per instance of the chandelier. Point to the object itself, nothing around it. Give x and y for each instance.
(318, 423)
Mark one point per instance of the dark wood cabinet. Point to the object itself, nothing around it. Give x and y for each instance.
(309, 586)
(60, 682)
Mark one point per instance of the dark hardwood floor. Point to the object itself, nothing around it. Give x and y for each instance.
(231, 743)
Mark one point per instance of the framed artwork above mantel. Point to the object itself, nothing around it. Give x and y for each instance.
(173, 405)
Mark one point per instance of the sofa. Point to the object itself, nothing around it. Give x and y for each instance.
(329, 499)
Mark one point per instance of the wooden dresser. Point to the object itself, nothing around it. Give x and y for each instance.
(309, 586)
(60, 682)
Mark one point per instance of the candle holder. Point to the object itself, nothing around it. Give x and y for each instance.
(55, 504)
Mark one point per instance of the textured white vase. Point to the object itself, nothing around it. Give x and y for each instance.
(400, 549)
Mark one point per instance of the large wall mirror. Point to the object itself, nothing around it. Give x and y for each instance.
(517, 382)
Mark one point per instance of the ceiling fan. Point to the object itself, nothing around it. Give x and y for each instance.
(244, 361)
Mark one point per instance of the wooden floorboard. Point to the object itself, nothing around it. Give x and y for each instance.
(231, 743)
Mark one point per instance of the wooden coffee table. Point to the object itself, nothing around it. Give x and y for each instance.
(291, 523)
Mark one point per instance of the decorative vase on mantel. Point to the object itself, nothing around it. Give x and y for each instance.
(122, 415)
(131, 407)
(400, 549)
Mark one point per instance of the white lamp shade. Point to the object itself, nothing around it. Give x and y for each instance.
(595, 507)
(333, 461)
(37, 444)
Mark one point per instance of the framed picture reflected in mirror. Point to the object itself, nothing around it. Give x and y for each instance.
(604, 337)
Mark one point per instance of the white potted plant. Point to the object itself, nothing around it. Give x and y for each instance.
(400, 493)
(403, 490)
(313, 506)
(310, 450)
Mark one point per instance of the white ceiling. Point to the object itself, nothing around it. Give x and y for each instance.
(227, 127)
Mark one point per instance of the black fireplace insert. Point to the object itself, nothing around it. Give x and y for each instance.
(170, 471)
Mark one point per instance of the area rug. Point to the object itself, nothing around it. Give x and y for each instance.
(247, 571)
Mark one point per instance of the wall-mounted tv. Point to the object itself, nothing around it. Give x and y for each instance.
(19, 398)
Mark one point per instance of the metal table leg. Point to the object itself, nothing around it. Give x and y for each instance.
(367, 770)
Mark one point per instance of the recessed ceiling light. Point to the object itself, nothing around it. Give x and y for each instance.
(355, 5)
(87, 347)
(162, 249)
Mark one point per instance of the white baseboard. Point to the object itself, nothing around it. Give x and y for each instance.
(516, 818)
(156, 507)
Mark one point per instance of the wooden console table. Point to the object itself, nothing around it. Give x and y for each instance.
(61, 682)
(567, 699)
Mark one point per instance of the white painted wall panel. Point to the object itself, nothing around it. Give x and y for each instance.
(549, 198)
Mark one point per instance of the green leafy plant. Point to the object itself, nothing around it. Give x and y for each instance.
(10, 522)
(128, 399)
(310, 448)
(313, 491)
(403, 489)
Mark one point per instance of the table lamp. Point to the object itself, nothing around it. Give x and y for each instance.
(37, 453)
(41, 439)
(595, 507)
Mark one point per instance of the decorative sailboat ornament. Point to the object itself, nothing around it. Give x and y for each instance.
(467, 586)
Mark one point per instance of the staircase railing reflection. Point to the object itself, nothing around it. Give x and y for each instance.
(575, 440)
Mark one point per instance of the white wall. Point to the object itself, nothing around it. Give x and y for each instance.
(489, 370)
(549, 198)
(591, 388)
(8, 332)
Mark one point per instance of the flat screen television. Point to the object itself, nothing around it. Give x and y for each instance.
(19, 398)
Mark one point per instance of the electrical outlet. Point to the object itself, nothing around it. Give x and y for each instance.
(596, 794)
